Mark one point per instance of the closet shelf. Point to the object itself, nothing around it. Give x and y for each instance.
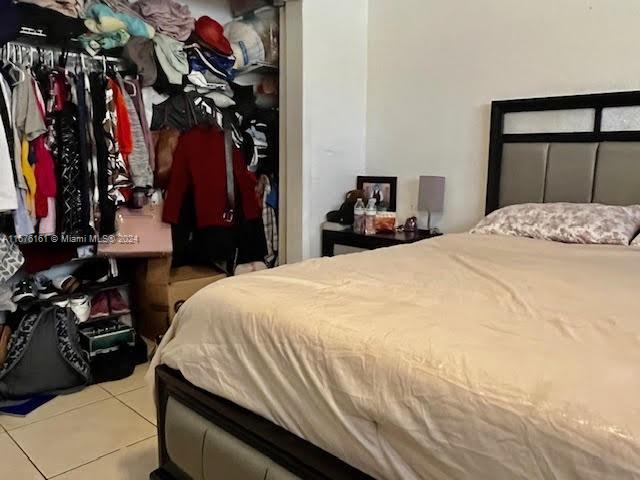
(92, 322)
(90, 291)
(257, 69)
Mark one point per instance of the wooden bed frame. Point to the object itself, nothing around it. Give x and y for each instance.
(295, 454)
(291, 452)
(597, 102)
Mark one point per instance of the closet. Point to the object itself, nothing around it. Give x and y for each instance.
(145, 139)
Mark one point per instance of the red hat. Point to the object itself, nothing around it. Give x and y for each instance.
(211, 35)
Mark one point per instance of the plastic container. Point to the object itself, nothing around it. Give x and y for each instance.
(358, 217)
(370, 217)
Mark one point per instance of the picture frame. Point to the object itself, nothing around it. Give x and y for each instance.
(384, 189)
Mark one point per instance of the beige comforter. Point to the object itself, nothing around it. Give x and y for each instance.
(465, 357)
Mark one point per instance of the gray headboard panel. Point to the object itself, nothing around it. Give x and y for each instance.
(563, 152)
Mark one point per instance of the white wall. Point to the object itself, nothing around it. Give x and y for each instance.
(435, 65)
(334, 109)
(219, 10)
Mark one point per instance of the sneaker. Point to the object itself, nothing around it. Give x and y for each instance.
(117, 303)
(45, 288)
(24, 291)
(66, 284)
(99, 306)
(62, 303)
(81, 306)
(94, 271)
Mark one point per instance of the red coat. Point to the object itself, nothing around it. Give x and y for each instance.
(199, 165)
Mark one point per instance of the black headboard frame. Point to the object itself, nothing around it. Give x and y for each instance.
(597, 102)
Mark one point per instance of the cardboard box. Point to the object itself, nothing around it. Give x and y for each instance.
(161, 290)
(186, 281)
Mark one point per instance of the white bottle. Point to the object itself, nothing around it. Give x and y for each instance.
(370, 218)
(358, 217)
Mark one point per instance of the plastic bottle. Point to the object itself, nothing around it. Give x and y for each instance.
(370, 218)
(358, 217)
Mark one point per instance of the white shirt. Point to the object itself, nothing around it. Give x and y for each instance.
(8, 196)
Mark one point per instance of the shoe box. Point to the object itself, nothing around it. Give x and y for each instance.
(160, 290)
(106, 336)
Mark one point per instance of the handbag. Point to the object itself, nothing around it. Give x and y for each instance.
(141, 233)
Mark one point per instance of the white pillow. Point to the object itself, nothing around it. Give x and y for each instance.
(587, 223)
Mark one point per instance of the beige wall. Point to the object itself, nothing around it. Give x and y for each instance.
(435, 65)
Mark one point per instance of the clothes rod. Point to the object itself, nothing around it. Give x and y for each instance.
(60, 50)
(39, 35)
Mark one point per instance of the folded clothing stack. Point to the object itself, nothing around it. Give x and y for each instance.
(112, 24)
(167, 16)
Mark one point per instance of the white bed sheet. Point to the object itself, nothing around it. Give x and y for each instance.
(463, 357)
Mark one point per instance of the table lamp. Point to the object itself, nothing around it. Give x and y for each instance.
(431, 196)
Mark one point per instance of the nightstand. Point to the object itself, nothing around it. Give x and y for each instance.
(331, 238)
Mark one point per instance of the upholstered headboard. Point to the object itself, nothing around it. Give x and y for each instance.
(580, 149)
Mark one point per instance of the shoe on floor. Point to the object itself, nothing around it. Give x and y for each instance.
(99, 306)
(81, 306)
(24, 291)
(66, 284)
(117, 303)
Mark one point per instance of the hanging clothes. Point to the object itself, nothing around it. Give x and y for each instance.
(118, 174)
(138, 157)
(73, 218)
(5, 116)
(138, 102)
(199, 164)
(84, 140)
(23, 225)
(8, 193)
(73, 210)
(44, 172)
(27, 114)
(166, 142)
(85, 104)
(106, 214)
(270, 221)
(30, 124)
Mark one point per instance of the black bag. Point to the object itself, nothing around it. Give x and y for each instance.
(116, 365)
(44, 356)
(345, 215)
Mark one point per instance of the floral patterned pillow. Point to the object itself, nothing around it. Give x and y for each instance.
(590, 223)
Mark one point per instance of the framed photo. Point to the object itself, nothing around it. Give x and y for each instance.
(383, 189)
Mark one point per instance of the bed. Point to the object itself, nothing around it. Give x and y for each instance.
(462, 357)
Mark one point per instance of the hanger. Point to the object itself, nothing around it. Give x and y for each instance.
(30, 61)
(11, 58)
(80, 66)
(133, 86)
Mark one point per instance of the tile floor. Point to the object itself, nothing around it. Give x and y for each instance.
(106, 431)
